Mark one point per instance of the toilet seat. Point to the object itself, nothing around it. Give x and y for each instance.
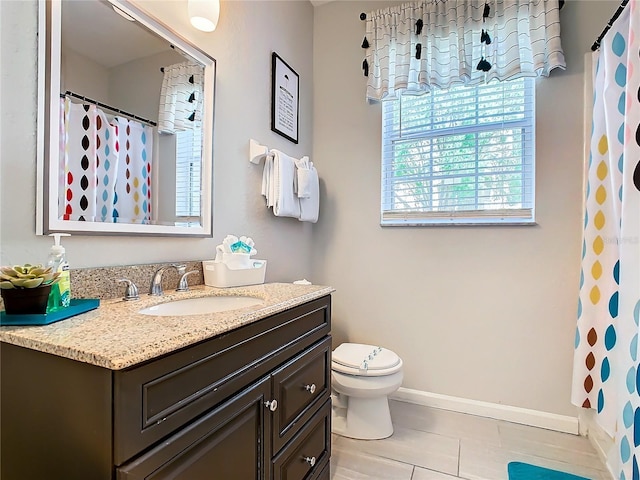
(365, 360)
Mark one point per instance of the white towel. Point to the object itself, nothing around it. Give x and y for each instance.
(267, 177)
(303, 171)
(285, 203)
(310, 207)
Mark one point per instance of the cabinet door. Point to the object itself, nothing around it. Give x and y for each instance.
(230, 442)
(300, 386)
(307, 455)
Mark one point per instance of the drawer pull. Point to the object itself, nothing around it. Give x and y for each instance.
(310, 388)
(271, 405)
(310, 460)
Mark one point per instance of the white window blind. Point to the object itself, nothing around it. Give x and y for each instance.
(188, 161)
(460, 156)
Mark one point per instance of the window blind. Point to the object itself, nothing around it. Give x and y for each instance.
(188, 172)
(462, 155)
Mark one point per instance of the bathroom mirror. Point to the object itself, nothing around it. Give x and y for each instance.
(125, 123)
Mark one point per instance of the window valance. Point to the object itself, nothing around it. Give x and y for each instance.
(417, 45)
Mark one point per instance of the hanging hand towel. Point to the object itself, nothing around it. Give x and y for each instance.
(303, 170)
(285, 203)
(267, 180)
(310, 207)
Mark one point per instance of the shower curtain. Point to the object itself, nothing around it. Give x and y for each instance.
(132, 202)
(606, 375)
(107, 167)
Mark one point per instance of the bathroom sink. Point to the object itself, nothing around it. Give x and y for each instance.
(202, 305)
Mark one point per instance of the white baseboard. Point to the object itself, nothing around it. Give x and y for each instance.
(602, 442)
(525, 416)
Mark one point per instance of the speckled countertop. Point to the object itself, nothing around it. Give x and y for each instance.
(116, 336)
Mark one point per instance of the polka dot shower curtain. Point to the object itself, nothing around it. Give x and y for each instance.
(132, 203)
(606, 376)
(107, 167)
(90, 164)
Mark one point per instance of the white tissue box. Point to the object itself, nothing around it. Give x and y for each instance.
(220, 275)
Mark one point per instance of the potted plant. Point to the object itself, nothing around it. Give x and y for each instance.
(25, 288)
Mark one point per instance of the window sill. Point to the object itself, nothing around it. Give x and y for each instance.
(459, 223)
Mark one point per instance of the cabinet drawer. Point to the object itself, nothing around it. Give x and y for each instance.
(154, 400)
(229, 442)
(325, 473)
(311, 445)
(300, 387)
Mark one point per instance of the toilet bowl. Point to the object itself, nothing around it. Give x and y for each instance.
(362, 376)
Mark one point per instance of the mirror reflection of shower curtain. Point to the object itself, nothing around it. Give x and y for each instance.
(133, 181)
(107, 167)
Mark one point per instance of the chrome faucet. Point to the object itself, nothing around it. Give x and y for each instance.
(156, 281)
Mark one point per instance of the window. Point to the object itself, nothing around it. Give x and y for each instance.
(460, 156)
(188, 161)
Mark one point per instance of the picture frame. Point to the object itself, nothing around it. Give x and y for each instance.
(285, 99)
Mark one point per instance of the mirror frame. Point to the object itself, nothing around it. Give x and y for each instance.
(48, 123)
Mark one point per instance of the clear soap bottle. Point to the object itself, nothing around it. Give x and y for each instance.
(60, 296)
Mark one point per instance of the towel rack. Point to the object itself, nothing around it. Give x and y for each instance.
(257, 152)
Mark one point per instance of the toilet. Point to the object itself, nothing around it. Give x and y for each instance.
(362, 377)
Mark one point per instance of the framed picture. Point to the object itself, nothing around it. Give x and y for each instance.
(285, 105)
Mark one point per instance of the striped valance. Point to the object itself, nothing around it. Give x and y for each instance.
(417, 45)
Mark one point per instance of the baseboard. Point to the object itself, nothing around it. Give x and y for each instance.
(601, 440)
(525, 416)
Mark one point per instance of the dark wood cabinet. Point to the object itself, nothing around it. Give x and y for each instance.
(253, 403)
(229, 442)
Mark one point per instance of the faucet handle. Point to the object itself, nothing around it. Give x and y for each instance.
(131, 293)
(156, 280)
(183, 286)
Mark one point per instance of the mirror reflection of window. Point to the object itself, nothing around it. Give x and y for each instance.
(180, 115)
(188, 171)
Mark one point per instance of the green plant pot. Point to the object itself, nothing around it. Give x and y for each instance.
(20, 301)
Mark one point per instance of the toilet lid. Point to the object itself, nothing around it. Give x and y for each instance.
(365, 360)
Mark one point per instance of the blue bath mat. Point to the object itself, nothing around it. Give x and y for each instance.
(524, 471)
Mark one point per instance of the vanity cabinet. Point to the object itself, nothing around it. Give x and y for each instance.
(253, 403)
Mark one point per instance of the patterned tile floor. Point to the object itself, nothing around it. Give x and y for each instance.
(433, 444)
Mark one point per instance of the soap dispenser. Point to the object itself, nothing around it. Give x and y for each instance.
(60, 296)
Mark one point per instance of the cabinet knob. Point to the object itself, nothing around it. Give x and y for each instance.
(310, 460)
(310, 388)
(271, 405)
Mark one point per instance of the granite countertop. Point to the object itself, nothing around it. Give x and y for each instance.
(116, 336)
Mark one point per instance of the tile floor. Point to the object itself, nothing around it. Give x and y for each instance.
(433, 444)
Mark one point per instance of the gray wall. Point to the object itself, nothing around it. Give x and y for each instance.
(83, 76)
(484, 313)
(242, 44)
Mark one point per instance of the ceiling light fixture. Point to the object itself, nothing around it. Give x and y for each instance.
(204, 14)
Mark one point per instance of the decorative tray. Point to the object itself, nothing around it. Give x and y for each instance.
(78, 306)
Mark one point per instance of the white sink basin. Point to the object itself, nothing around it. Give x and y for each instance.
(202, 305)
